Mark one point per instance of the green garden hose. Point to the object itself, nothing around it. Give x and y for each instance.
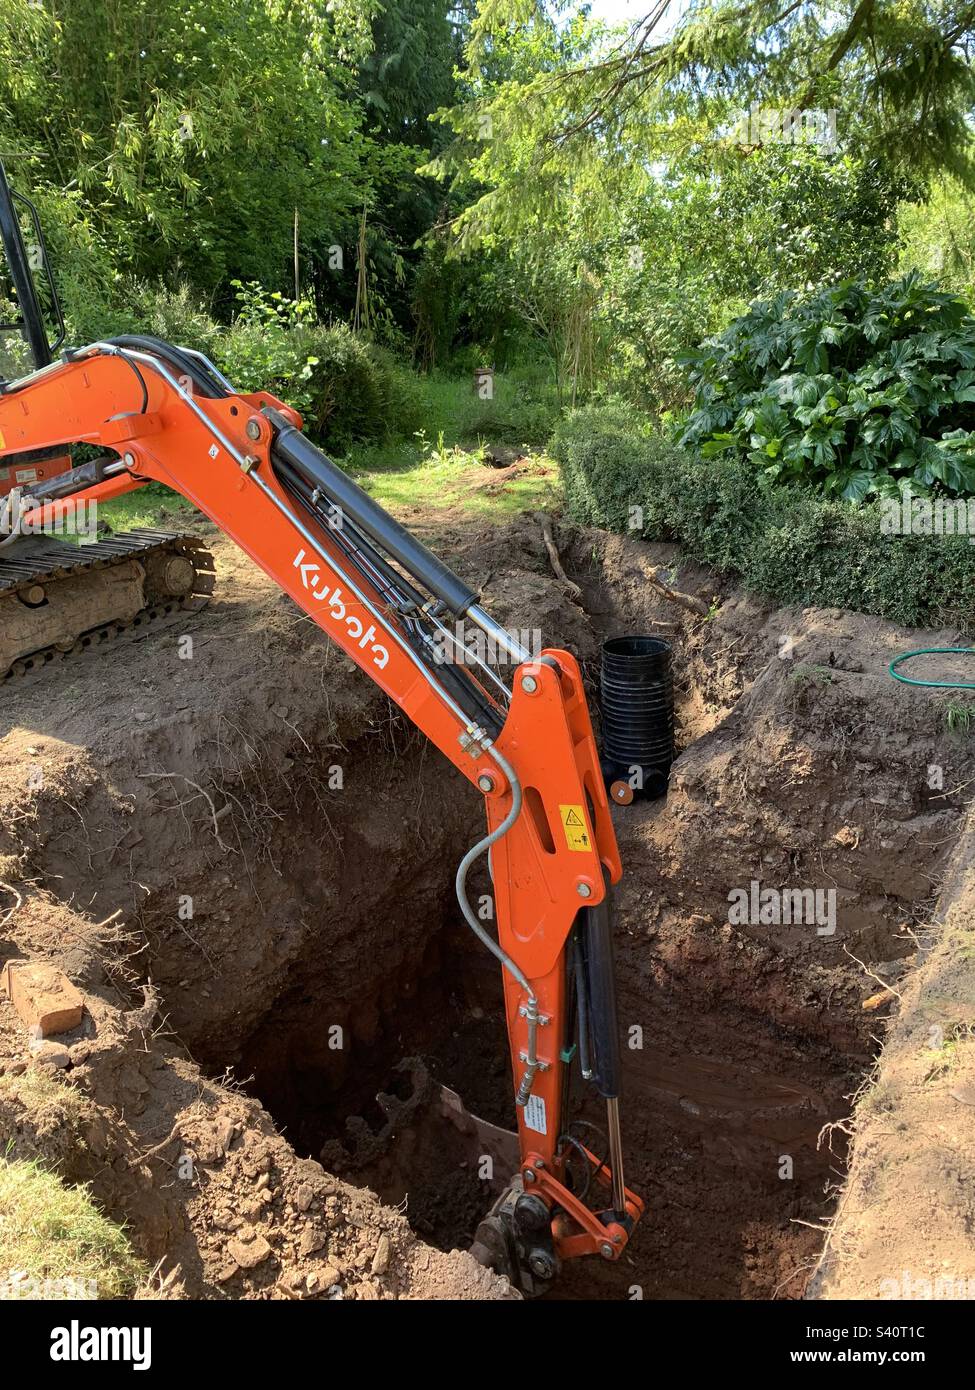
(932, 651)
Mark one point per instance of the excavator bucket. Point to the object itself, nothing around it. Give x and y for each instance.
(500, 1146)
(513, 1238)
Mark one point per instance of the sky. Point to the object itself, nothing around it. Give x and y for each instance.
(626, 11)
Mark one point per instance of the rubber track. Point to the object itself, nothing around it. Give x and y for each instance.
(58, 560)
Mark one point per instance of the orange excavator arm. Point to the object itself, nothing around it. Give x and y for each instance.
(525, 743)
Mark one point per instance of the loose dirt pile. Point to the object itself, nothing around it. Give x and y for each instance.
(244, 857)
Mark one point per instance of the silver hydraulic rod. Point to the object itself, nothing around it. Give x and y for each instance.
(497, 634)
(459, 646)
(616, 1154)
(582, 1006)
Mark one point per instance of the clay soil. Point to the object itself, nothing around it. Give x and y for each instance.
(244, 858)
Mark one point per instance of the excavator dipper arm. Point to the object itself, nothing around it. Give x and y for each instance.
(402, 616)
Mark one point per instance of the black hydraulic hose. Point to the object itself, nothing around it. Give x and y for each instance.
(407, 601)
(142, 383)
(71, 354)
(464, 691)
(291, 446)
(182, 363)
(294, 483)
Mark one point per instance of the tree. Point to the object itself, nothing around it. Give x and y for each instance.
(897, 74)
(199, 132)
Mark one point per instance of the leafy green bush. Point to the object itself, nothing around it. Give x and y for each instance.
(348, 390)
(784, 542)
(858, 392)
(177, 315)
(605, 463)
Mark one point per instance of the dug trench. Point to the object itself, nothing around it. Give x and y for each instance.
(240, 845)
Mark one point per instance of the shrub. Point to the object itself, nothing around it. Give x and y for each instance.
(347, 390)
(605, 464)
(88, 285)
(855, 391)
(785, 542)
(175, 315)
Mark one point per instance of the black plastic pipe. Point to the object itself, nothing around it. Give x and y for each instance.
(637, 702)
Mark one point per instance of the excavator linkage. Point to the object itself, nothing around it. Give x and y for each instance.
(514, 722)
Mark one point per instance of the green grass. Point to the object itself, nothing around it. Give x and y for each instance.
(959, 716)
(146, 507)
(449, 478)
(522, 412)
(804, 674)
(440, 466)
(49, 1231)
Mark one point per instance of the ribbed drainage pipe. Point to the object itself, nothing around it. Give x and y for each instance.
(637, 701)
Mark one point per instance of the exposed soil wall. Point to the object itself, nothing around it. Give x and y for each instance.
(904, 1225)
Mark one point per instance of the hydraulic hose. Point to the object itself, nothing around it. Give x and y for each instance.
(15, 519)
(463, 869)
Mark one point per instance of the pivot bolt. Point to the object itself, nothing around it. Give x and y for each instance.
(541, 1264)
(583, 890)
(129, 460)
(606, 1250)
(253, 428)
(486, 782)
(529, 684)
(528, 1176)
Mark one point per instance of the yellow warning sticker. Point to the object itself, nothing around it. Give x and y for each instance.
(3, 442)
(574, 824)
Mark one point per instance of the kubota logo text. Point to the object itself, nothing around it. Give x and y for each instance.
(313, 580)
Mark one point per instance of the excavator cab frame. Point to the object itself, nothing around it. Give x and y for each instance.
(20, 262)
(57, 597)
(31, 324)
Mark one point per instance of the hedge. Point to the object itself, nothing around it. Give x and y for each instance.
(786, 543)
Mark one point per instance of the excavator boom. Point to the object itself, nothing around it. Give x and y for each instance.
(161, 413)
